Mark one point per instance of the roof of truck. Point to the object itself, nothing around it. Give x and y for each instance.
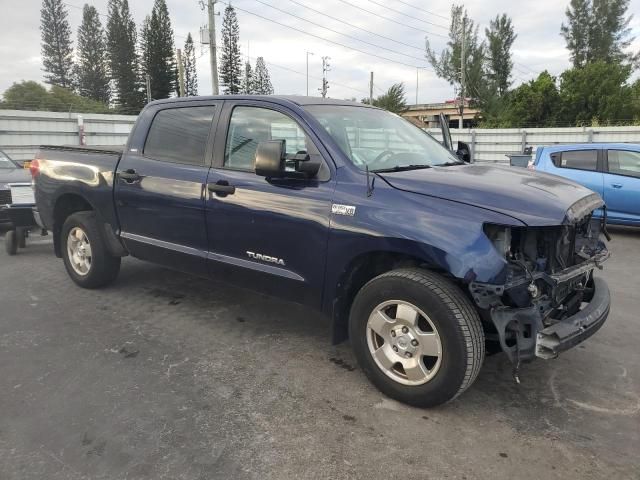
(296, 99)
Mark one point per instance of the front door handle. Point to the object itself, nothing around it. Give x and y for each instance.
(129, 176)
(221, 188)
(616, 185)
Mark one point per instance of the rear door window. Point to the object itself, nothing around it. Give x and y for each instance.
(624, 162)
(179, 135)
(578, 160)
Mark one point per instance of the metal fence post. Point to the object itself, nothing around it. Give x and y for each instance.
(590, 135)
(524, 141)
(473, 146)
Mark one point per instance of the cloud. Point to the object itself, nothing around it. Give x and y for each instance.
(538, 46)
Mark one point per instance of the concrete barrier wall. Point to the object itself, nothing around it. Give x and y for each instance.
(492, 145)
(21, 132)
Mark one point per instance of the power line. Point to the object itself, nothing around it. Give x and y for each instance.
(424, 10)
(392, 20)
(356, 26)
(409, 16)
(343, 34)
(323, 38)
(304, 74)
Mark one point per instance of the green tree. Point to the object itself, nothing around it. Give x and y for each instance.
(122, 56)
(535, 103)
(157, 52)
(447, 64)
(189, 65)
(91, 69)
(248, 80)
(33, 96)
(576, 31)
(57, 49)
(262, 81)
(230, 62)
(598, 30)
(392, 100)
(596, 93)
(500, 38)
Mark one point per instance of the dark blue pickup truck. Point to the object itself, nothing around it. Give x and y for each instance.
(419, 259)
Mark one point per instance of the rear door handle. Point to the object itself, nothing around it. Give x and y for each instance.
(129, 176)
(221, 188)
(616, 185)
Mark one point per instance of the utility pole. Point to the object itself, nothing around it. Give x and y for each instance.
(148, 84)
(417, 80)
(212, 47)
(325, 82)
(463, 59)
(180, 73)
(308, 53)
(371, 89)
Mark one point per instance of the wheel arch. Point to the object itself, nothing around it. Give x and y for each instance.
(360, 270)
(66, 205)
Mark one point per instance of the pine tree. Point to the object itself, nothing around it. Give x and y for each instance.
(92, 74)
(248, 80)
(189, 64)
(157, 52)
(598, 30)
(447, 64)
(57, 49)
(230, 62)
(262, 82)
(123, 59)
(576, 32)
(500, 38)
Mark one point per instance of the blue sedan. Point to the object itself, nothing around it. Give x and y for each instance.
(610, 169)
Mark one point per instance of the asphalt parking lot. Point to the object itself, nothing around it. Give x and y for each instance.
(168, 376)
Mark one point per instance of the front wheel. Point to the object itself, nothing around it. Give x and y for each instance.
(85, 255)
(416, 336)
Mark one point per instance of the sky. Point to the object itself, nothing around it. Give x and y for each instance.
(395, 58)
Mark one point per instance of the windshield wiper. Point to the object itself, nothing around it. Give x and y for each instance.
(400, 168)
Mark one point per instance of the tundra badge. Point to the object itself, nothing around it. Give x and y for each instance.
(265, 258)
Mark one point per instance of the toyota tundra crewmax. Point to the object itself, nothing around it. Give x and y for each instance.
(420, 260)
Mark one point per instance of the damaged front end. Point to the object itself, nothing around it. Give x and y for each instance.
(549, 300)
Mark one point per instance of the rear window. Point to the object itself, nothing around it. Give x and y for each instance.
(577, 159)
(179, 135)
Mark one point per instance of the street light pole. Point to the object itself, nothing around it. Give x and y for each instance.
(212, 47)
(308, 53)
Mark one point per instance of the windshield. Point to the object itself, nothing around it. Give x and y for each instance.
(379, 139)
(5, 161)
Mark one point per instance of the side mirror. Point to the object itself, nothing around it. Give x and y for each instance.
(272, 161)
(464, 152)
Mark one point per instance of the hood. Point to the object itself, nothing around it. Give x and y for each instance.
(535, 198)
(14, 175)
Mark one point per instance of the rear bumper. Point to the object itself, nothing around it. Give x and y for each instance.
(573, 330)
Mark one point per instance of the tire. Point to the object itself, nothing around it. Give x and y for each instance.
(21, 235)
(93, 267)
(11, 242)
(417, 307)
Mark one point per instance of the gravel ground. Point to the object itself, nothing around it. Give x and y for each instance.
(163, 375)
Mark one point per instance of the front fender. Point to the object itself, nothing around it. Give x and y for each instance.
(445, 235)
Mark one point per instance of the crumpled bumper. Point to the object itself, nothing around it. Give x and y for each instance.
(571, 331)
(534, 339)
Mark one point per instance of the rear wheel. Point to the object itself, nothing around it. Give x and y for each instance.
(11, 242)
(21, 235)
(85, 255)
(416, 336)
